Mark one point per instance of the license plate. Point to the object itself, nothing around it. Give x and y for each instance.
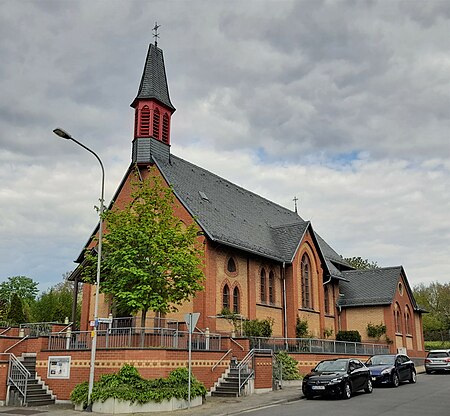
(318, 387)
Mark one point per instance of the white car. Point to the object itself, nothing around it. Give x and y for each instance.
(437, 360)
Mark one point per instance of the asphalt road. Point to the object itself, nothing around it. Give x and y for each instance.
(430, 396)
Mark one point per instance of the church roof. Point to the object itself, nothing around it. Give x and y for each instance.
(372, 287)
(154, 81)
(237, 217)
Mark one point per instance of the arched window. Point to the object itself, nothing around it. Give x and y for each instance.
(226, 297)
(263, 286)
(408, 321)
(271, 288)
(165, 129)
(231, 265)
(145, 121)
(326, 295)
(306, 283)
(156, 123)
(398, 319)
(236, 300)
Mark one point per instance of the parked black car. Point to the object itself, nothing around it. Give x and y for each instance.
(391, 369)
(339, 377)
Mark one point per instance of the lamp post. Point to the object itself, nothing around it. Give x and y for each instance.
(61, 133)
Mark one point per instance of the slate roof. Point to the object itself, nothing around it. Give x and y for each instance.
(237, 217)
(372, 287)
(154, 81)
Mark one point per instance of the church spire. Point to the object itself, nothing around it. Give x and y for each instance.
(153, 108)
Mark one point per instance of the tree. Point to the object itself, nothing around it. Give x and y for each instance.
(16, 313)
(361, 264)
(150, 260)
(435, 299)
(23, 286)
(55, 304)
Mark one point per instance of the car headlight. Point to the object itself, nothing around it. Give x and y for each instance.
(384, 372)
(335, 380)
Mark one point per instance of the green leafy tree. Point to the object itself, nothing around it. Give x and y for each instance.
(16, 314)
(435, 299)
(150, 260)
(24, 287)
(361, 264)
(55, 304)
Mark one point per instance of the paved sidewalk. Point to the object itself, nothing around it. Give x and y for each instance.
(212, 406)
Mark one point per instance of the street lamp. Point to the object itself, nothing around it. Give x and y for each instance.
(61, 133)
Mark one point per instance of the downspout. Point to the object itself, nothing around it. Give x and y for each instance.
(283, 273)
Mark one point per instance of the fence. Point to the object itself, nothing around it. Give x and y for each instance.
(312, 345)
(134, 338)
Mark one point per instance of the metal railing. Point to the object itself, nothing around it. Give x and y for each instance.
(221, 359)
(115, 338)
(35, 329)
(246, 367)
(313, 345)
(18, 375)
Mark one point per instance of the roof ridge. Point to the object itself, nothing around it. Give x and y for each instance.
(290, 224)
(373, 270)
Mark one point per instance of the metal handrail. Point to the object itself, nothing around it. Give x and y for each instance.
(237, 343)
(244, 365)
(221, 359)
(17, 343)
(18, 375)
(6, 330)
(65, 328)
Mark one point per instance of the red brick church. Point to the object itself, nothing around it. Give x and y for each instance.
(261, 259)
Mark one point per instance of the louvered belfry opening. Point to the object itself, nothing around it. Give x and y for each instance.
(145, 122)
(156, 122)
(165, 129)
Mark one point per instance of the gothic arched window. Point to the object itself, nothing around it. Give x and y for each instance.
(226, 297)
(271, 288)
(263, 286)
(236, 300)
(306, 282)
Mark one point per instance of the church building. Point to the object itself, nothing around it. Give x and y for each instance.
(261, 260)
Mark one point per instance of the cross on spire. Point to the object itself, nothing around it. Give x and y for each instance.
(155, 33)
(295, 204)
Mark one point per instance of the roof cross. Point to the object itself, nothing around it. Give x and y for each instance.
(295, 204)
(155, 33)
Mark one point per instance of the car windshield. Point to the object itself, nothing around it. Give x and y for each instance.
(382, 360)
(336, 365)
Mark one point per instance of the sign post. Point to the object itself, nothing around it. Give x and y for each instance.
(191, 320)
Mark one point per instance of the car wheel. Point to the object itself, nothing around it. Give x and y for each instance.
(395, 380)
(413, 377)
(347, 391)
(369, 386)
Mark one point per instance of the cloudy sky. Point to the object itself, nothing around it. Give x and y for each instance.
(344, 104)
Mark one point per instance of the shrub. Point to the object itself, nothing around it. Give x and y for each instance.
(301, 328)
(376, 331)
(258, 328)
(288, 366)
(128, 385)
(351, 336)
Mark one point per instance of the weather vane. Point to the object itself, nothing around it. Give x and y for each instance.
(295, 204)
(155, 33)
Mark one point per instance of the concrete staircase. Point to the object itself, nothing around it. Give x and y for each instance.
(37, 394)
(229, 385)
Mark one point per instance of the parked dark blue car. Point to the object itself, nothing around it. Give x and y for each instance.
(391, 369)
